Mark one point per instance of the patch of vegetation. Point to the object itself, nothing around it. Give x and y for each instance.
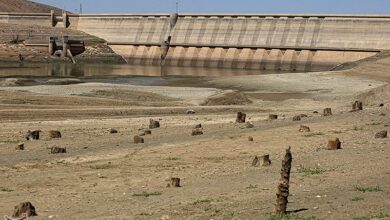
(148, 194)
(336, 132)
(368, 189)
(377, 216)
(290, 217)
(311, 170)
(173, 158)
(357, 128)
(252, 186)
(312, 134)
(201, 201)
(355, 199)
(375, 123)
(100, 166)
(5, 189)
(145, 214)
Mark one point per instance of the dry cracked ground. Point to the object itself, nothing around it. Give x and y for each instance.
(107, 176)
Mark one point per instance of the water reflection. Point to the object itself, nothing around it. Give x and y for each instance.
(101, 70)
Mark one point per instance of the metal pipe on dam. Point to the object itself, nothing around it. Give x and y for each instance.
(256, 41)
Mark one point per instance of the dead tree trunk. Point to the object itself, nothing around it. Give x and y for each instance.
(175, 182)
(327, 112)
(283, 188)
(357, 106)
(241, 117)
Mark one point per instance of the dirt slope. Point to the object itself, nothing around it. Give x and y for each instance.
(25, 6)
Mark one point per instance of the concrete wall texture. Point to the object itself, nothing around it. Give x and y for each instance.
(264, 42)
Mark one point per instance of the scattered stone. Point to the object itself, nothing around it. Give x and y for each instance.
(165, 217)
(138, 140)
(198, 126)
(304, 128)
(25, 209)
(148, 132)
(381, 105)
(273, 117)
(58, 150)
(327, 112)
(381, 134)
(154, 124)
(196, 131)
(241, 117)
(382, 114)
(33, 135)
(55, 134)
(175, 182)
(297, 118)
(249, 125)
(334, 144)
(315, 112)
(113, 131)
(190, 112)
(250, 138)
(255, 161)
(266, 160)
(20, 146)
(303, 115)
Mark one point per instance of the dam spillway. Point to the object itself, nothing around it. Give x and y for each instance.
(257, 41)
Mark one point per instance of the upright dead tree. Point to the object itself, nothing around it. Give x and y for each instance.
(283, 188)
(241, 117)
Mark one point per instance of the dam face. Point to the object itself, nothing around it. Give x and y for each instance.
(258, 42)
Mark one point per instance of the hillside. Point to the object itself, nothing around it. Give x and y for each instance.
(26, 6)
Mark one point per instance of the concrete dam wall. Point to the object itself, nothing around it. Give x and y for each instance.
(264, 42)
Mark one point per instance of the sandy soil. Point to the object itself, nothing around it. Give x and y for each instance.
(106, 176)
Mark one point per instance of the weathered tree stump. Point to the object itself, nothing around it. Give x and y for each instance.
(249, 125)
(198, 126)
(25, 209)
(381, 134)
(250, 138)
(283, 189)
(255, 161)
(197, 131)
(113, 131)
(357, 106)
(266, 160)
(334, 144)
(58, 150)
(20, 146)
(304, 128)
(154, 124)
(54, 134)
(327, 112)
(241, 117)
(33, 135)
(138, 139)
(297, 118)
(175, 182)
(272, 117)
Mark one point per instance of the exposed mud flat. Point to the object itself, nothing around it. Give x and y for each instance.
(105, 175)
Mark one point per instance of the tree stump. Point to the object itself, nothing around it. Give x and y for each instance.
(55, 134)
(297, 118)
(250, 138)
(255, 161)
(175, 182)
(58, 150)
(138, 140)
(25, 209)
(20, 146)
(283, 189)
(304, 128)
(334, 144)
(33, 135)
(198, 126)
(381, 134)
(154, 124)
(357, 106)
(241, 117)
(327, 112)
(249, 125)
(113, 131)
(196, 132)
(266, 160)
